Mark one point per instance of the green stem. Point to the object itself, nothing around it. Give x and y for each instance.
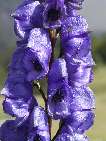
(53, 37)
(58, 131)
(37, 85)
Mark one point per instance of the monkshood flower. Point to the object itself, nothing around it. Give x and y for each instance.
(16, 85)
(37, 54)
(76, 44)
(35, 128)
(37, 14)
(17, 90)
(19, 108)
(38, 125)
(74, 126)
(64, 99)
(27, 16)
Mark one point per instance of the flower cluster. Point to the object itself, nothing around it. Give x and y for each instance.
(69, 97)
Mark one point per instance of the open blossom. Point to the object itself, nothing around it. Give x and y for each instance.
(37, 54)
(69, 97)
(35, 128)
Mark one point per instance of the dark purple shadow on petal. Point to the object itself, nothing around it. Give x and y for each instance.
(9, 132)
(53, 13)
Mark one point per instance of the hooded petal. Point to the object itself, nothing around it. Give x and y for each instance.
(17, 90)
(17, 59)
(66, 100)
(72, 26)
(37, 55)
(9, 132)
(80, 121)
(19, 108)
(16, 85)
(81, 98)
(25, 16)
(77, 51)
(80, 71)
(39, 128)
(74, 126)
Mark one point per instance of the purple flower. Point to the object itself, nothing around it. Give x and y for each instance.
(18, 108)
(38, 125)
(80, 121)
(37, 54)
(76, 45)
(66, 100)
(37, 14)
(63, 99)
(27, 16)
(74, 126)
(16, 85)
(35, 128)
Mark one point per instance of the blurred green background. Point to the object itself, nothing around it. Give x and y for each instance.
(7, 45)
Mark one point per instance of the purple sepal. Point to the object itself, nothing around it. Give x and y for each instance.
(9, 132)
(21, 30)
(74, 126)
(25, 16)
(79, 67)
(81, 98)
(57, 74)
(17, 90)
(72, 26)
(17, 60)
(80, 121)
(39, 129)
(16, 85)
(37, 54)
(19, 108)
(79, 74)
